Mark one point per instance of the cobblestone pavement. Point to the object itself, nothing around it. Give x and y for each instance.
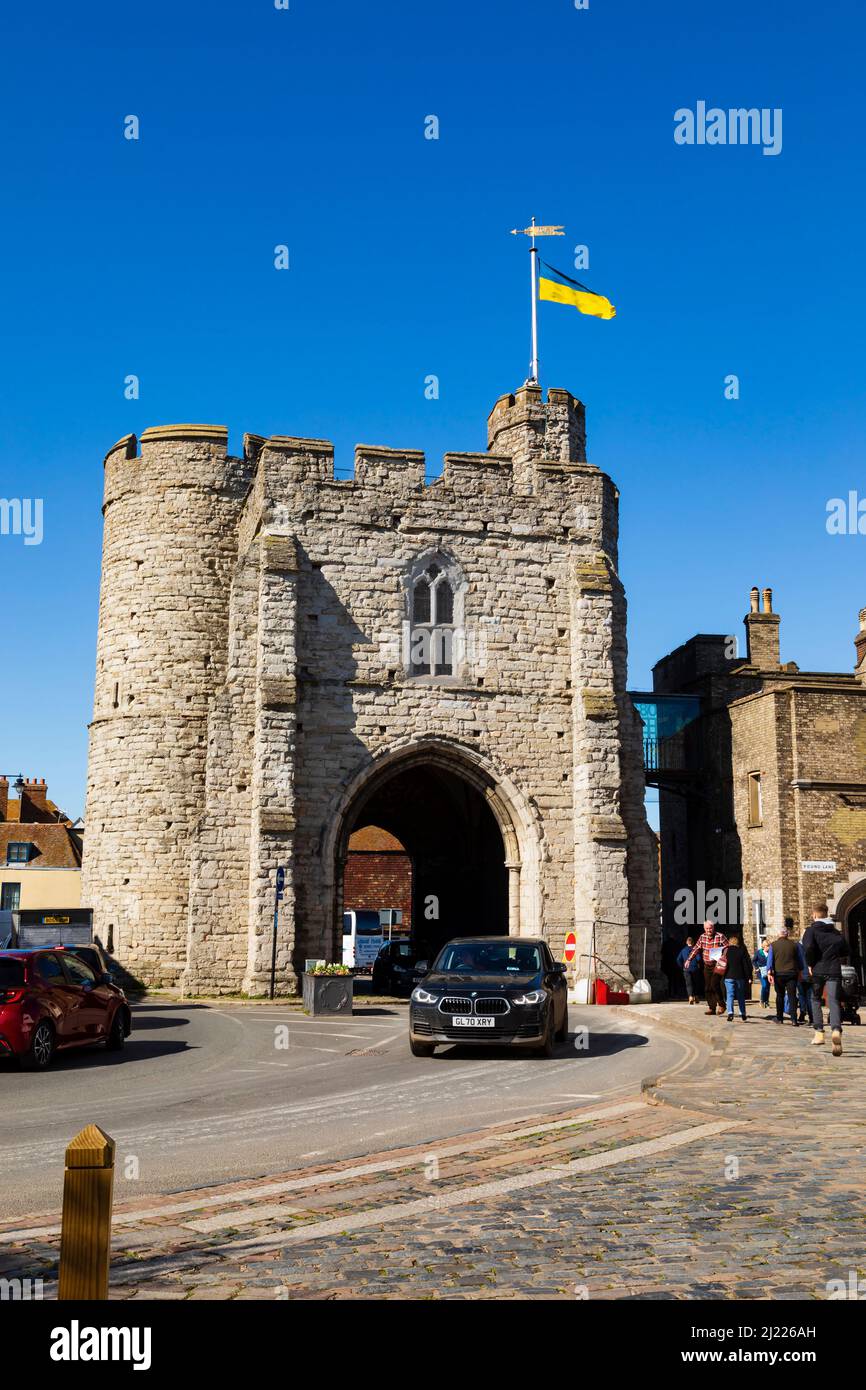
(742, 1177)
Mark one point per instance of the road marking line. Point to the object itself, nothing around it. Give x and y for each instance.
(404, 1211)
(330, 1033)
(383, 1042)
(207, 1224)
(467, 1084)
(359, 1170)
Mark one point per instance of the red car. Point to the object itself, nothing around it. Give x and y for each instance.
(51, 1000)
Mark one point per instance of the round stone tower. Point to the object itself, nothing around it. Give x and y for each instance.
(526, 428)
(169, 548)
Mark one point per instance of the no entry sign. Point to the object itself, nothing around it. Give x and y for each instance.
(570, 947)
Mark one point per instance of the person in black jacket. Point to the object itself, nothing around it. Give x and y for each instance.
(738, 973)
(825, 948)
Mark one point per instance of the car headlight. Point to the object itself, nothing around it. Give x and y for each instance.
(423, 996)
(535, 996)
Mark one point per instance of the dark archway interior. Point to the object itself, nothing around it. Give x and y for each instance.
(460, 882)
(855, 929)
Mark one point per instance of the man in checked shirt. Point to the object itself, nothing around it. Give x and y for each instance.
(711, 939)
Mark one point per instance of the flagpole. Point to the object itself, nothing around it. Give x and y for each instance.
(534, 231)
(533, 263)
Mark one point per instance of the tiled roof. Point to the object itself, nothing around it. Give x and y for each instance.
(13, 810)
(373, 840)
(55, 847)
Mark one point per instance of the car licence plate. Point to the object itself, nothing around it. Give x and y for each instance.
(464, 1021)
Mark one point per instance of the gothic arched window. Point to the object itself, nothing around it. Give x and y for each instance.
(432, 627)
(421, 605)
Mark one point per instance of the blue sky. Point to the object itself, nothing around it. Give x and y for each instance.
(306, 127)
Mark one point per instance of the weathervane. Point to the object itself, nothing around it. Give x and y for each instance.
(534, 231)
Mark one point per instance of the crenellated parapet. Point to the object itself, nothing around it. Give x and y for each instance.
(526, 427)
(175, 456)
(398, 470)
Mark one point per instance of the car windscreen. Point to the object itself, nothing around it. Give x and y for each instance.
(11, 973)
(367, 924)
(495, 958)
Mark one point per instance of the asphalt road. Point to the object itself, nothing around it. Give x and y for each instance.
(208, 1094)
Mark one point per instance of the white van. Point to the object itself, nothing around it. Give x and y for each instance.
(363, 939)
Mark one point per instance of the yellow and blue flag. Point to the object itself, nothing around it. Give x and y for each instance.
(573, 292)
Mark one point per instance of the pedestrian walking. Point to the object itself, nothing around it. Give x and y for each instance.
(692, 970)
(785, 963)
(804, 984)
(738, 974)
(710, 950)
(825, 948)
(759, 961)
(804, 995)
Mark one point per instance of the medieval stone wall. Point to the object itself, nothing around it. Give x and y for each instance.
(168, 553)
(255, 611)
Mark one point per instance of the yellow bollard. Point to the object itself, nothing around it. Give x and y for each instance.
(85, 1236)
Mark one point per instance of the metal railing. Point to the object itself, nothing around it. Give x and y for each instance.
(594, 960)
(664, 755)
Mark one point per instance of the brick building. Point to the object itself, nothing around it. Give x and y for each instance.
(378, 874)
(286, 657)
(40, 853)
(762, 783)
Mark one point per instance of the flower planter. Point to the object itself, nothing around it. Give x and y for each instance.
(328, 995)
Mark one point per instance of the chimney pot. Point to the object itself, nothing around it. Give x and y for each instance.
(34, 800)
(762, 631)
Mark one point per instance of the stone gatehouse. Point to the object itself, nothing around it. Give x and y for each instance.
(285, 657)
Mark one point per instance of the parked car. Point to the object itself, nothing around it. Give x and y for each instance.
(50, 1001)
(394, 968)
(105, 968)
(492, 991)
(95, 955)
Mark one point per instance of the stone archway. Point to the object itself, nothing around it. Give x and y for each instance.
(848, 906)
(463, 821)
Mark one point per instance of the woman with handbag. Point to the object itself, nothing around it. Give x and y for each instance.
(738, 974)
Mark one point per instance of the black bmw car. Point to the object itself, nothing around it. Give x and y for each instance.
(494, 991)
